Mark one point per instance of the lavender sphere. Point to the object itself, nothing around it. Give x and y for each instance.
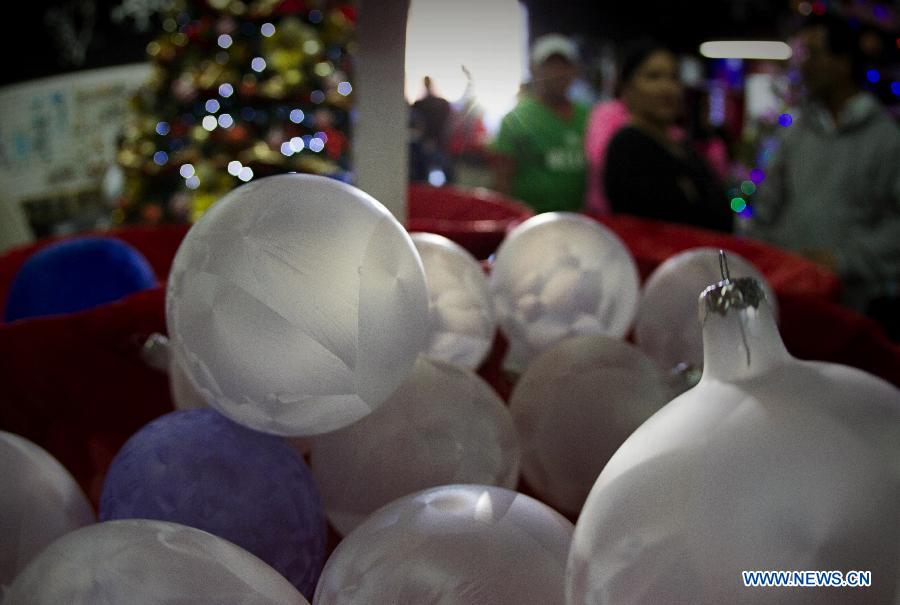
(197, 468)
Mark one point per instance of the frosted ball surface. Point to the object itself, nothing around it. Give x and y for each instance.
(298, 304)
(443, 425)
(667, 326)
(559, 275)
(461, 307)
(783, 465)
(142, 562)
(574, 406)
(185, 395)
(198, 468)
(454, 544)
(39, 502)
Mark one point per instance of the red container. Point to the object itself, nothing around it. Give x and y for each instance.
(476, 219)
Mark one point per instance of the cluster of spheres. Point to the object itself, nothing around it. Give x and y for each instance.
(303, 319)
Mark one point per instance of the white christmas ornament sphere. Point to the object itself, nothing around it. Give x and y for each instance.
(143, 562)
(39, 502)
(574, 406)
(461, 307)
(455, 544)
(443, 425)
(298, 304)
(769, 463)
(666, 326)
(559, 275)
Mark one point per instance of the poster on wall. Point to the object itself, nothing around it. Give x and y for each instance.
(58, 137)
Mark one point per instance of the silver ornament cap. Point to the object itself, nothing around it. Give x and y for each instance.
(730, 294)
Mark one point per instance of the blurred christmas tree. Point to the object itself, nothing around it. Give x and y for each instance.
(239, 90)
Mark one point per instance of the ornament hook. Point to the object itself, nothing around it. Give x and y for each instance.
(723, 265)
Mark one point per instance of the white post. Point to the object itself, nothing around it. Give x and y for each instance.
(380, 132)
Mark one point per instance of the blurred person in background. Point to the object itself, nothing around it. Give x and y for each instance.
(649, 171)
(832, 189)
(538, 154)
(430, 121)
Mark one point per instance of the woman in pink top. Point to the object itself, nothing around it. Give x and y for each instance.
(605, 120)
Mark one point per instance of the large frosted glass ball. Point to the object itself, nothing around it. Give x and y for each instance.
(667, 327)
(454, 544)
(198, 468)
(39, 502)
(298, 304)
(443, 425)
(574, 406)
(559, 275)
(143, 562)
(769, 463)
(461, 306)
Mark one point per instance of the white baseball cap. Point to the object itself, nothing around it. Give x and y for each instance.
(553, 44)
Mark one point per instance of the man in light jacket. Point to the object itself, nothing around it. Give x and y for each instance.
(832, 190)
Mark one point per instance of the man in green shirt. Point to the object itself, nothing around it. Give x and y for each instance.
(539, 150)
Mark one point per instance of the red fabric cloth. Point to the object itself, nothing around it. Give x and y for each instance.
(813, 328)
(76, 384)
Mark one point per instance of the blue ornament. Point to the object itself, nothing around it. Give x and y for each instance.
(197, 468)
(77, 274)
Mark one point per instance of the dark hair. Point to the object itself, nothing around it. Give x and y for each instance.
(633, 56)
(843, 40)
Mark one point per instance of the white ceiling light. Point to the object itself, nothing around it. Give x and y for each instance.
(746, 49)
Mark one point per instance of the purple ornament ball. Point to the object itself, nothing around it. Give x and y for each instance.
(197, 468)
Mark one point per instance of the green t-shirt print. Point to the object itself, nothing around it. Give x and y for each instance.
(549, 155)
